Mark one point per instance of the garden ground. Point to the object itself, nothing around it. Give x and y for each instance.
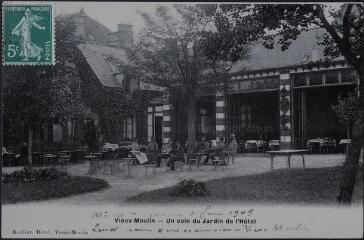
(122, 188)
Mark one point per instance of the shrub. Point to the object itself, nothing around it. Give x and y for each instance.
(33, 191)
(29, 174)
(190, 188)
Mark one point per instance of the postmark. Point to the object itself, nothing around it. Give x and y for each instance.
(28, 34)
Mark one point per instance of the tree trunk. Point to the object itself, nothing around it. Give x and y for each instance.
(348, 132)
(353, 153)
(191, 126)
(348, 137)
(65, 136)
(30, 145)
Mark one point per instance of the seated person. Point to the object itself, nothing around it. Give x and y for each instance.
(4, 151)
(167, 148)
(135, 151)
(166, 151)
(153, 145)
(233, 146)
(178, 155)
(135, 145)
(220, 143)
(214, 143)
(217, 147)
(206, 144)
(200, 146)
(220, 146)
(153, 153)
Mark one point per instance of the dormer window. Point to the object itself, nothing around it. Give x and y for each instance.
(113, 65)
(126, 84)
(119, 77)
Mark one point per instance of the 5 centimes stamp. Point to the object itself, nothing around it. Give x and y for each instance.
(28, 33)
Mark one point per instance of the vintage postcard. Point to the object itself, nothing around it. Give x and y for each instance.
(182, 120)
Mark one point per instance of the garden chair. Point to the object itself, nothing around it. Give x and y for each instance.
(152, 161)
(179, 165)
(93, 165)
(251, 146)
(64, 160)
(273, 145)
(110, 163)
(192, 160)
(262, 146)
(164, 162)
(328, 145)
(230, 156)
(219, 160)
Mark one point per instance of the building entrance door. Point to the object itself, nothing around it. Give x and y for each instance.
(158, 130)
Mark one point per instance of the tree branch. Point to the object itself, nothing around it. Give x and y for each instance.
(346, 24)
(345, 50)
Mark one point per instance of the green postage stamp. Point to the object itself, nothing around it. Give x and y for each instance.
(28, 33)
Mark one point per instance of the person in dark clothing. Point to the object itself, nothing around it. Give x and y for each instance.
(177, 155)
(24, 154)
(199, 147)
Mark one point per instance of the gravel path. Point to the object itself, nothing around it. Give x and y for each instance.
(122, 188)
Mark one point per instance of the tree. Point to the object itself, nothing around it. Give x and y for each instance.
(246, 23)
(345, 110)
(34, 95)
(170, 53)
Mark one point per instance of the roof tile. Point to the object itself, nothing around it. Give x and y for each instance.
(105, 70)
(301, 50)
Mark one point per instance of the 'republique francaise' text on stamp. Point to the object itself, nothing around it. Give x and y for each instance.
(28, 34)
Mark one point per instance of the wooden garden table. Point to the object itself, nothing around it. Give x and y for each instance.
(288, 153)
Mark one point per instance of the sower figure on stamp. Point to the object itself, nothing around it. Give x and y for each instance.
(24, 30)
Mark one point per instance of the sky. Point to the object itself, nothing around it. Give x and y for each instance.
(109, 13)
(112, 13)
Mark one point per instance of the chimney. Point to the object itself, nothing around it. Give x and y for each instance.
(82, 12)
(80, 22)
(123, 37)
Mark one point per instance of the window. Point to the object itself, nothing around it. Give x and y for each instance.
(245, 116)
(134, 126)
(349, 76)
(129, 128)
(315, 78)
(205, 123)
(331, 77)
(299, 80)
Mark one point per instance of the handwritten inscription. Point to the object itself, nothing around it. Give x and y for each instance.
(200, 220)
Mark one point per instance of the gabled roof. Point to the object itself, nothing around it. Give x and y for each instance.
(95, 29)
(302, 50)
(99, 58)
